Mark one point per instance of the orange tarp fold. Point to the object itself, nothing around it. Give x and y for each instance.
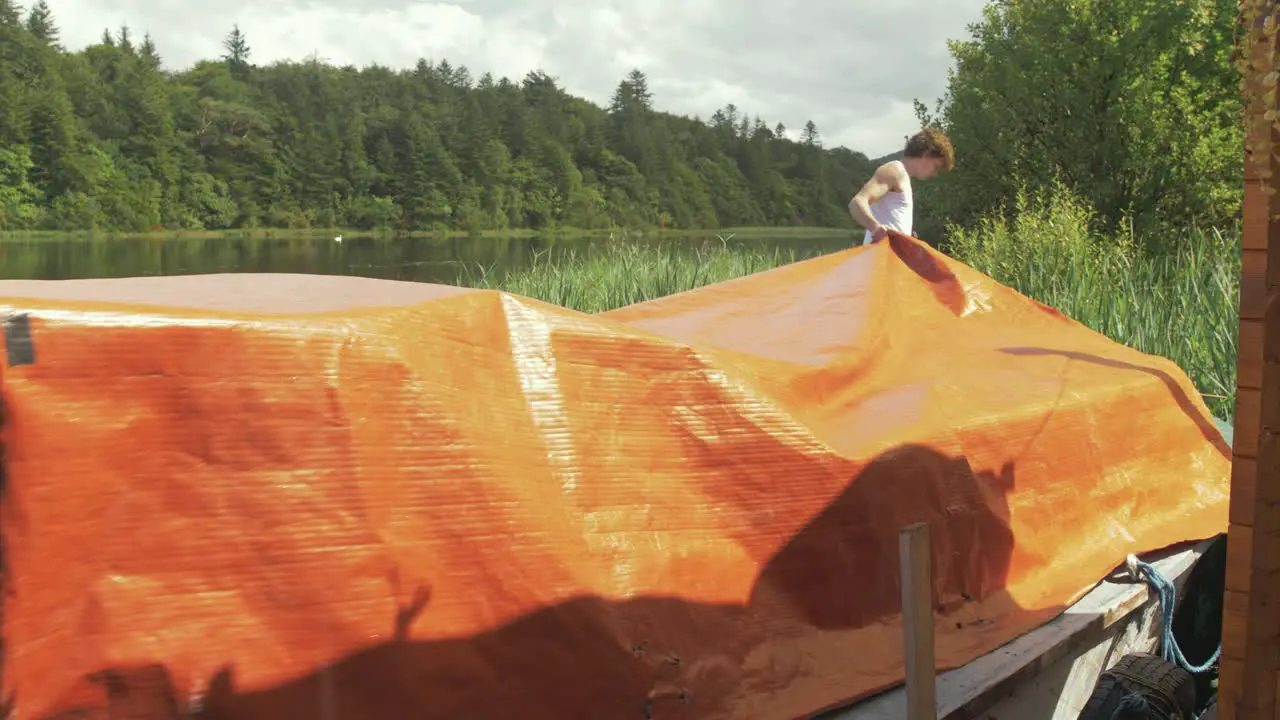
(281, 496)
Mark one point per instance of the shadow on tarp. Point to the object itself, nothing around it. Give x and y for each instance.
(593, 658)
(1211, 431)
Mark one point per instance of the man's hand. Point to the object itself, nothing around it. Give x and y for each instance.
(881, 232)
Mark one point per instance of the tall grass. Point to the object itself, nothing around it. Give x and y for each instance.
(630, 273)
(1180, 302)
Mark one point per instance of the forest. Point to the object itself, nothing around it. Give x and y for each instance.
(106, 138)
(1130, 107)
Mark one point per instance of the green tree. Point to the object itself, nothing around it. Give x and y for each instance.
(237, 47)
(1130, 103)
(19, 198)
(40, 23)
(106, 138)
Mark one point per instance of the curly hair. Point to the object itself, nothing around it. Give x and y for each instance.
(931, 143)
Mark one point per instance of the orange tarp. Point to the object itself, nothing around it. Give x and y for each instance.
(282, 496)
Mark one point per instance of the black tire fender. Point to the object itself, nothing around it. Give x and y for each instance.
(1167, 691)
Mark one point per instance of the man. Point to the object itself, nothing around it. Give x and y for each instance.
(885, 202)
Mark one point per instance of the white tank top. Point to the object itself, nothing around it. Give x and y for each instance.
(893, 210)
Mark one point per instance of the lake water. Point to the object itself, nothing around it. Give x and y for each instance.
(438, 260)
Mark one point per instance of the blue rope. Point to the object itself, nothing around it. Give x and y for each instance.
(1167, 594)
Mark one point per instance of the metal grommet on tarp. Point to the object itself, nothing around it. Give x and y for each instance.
(17, 340)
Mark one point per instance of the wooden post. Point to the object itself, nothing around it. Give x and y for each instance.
(328, 703)
(1250, 667)
(915, 559)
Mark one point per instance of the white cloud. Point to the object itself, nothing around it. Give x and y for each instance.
(852, 66)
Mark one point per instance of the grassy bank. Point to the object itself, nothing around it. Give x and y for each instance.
(629, 274)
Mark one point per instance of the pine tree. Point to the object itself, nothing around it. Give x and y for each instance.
(147, 52)
(9, 14)
(237, 48)
(40, 23)
(809, 136)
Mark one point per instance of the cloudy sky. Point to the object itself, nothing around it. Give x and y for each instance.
(852, 66)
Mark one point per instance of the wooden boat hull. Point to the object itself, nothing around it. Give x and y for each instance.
(1050, 672)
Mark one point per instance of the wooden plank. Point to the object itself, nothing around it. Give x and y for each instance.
(1235, 614)
(1061, 690)
(1259, 425)
(915, 562)
(1252, 171)
(1266, 489)
(1248, 416)
(1254, 217)
(328, 701)
(1229, 672)
(1249, 354)
(1253, 283)
(969, 692)
(1234, 684)
(1239, 558)
(1244, 471)
(1259, 700)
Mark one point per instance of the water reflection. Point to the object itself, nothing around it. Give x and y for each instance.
(437, 260)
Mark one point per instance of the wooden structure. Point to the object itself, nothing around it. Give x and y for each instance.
(1250, 668)
(1049, 673)
(917, 614)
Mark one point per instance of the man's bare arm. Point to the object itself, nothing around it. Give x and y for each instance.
(887, 179)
